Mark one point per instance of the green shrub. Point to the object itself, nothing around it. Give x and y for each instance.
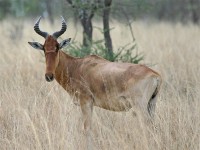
(126, 53)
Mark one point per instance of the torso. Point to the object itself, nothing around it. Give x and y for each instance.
(96, 78)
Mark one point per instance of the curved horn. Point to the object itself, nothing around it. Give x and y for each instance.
(37, 29)
(63, 29)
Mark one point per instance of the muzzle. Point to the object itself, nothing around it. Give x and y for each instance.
(49, 77)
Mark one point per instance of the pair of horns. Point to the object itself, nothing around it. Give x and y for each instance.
(45, 34)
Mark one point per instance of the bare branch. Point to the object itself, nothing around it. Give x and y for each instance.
(129, 23)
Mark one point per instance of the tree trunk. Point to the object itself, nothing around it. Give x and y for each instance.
(106, 27)
(86, 21)
(86, 10)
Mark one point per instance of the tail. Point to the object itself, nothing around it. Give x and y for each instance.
(152, 102)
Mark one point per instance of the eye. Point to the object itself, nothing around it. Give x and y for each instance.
(57, 48)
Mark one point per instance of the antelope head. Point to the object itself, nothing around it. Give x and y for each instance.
(50, 47)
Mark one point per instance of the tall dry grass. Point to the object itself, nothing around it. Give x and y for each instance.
(38, 115)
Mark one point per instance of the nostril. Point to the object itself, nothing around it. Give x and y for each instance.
(49, 77)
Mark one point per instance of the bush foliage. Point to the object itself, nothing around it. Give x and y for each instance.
(126, 53)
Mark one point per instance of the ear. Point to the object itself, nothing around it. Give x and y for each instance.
(36, 45)
(64, 43)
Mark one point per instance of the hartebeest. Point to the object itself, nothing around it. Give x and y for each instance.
(94, 81)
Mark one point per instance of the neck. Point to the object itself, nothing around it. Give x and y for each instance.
(65, 65)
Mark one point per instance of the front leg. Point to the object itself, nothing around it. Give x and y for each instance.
(87, 108)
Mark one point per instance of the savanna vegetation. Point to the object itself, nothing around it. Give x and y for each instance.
(35, 114)
(163, 35)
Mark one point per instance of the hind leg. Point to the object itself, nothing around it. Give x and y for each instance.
(143, 106)
(151, 107)
(141, 116)
(140, 110)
